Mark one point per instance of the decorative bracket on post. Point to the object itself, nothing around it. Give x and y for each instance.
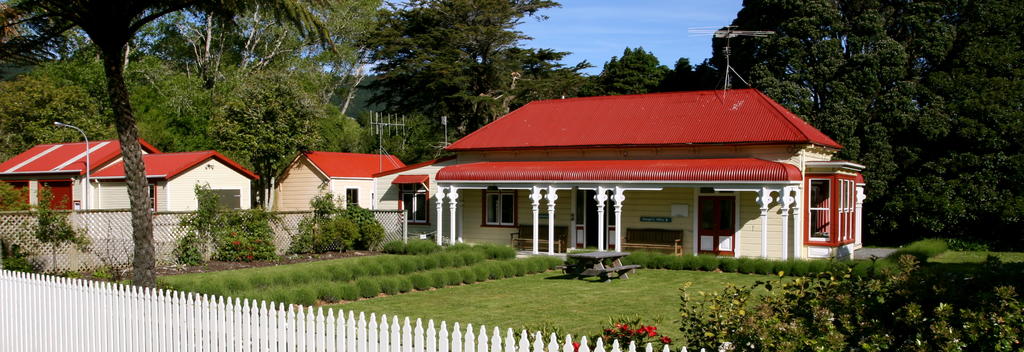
(618, 196)
(764, 199)
(786, 198)
(551, 195)
(453, 197)
(439, 199)
(535, 198)
(601, 197)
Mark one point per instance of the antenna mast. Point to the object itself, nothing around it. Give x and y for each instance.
(381, 125)
(729, 32)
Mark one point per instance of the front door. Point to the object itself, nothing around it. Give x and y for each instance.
(717, 221)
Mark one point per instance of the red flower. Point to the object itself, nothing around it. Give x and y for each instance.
(575, 346)
(624, 327)
(236, 243)
(651, 331)
(249, 257)
(666, 340)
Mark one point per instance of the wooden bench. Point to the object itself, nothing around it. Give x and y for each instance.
(657, 239)
(523, 239)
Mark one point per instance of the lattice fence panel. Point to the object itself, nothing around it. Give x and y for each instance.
(394, 224)
(110, 237)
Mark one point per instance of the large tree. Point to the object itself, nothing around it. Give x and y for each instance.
(925, 93)
(110, 26)
(462, 59)
(636, 72)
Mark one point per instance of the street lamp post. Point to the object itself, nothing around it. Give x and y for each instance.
(88, 165)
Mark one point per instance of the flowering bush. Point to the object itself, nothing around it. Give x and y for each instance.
(245, 237)
(631, 329)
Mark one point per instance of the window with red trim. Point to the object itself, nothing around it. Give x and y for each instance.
(414, 202)
(831, 217)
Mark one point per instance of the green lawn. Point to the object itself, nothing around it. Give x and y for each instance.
(976, 257)
(574, 306)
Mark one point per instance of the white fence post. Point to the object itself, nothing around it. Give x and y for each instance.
(59, 314)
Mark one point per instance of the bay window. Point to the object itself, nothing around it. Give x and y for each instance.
(831, 218)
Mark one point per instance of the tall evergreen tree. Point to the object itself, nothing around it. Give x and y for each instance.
(463, 59)
(925, 93)
(636, 72)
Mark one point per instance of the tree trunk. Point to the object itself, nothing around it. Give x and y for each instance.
(144, 260)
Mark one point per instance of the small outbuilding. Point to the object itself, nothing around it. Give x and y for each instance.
(61, 168)
(172, 180)
(349, 176)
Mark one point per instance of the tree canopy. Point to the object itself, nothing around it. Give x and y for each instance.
(925, 93)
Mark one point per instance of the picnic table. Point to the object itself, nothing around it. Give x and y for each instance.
(593, 264)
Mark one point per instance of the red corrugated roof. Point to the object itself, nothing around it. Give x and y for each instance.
(411, 179)
(65, 157)
(353, 164)
(169, 165)
(738, 116)
(741, 169)
(414, 166)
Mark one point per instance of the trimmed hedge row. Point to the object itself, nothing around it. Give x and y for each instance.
(368, 287)
(420, 247)
(753, 265)
(228, 282)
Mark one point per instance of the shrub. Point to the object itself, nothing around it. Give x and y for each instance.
(370, 232)
(459, 247)
(927, 310)
(395, 247)
(406, 264)
(245, 236)
(764, 266)
(368, 287)
(346, 291)
(747, 265)
(389, 285)
(729, 265)
(421, 282)
(404, 284)
(438, 279)
(800, 268)
(452, 277)
(304, 296)
(492, 251)
(418, 247)
(14, 258)
(922, 250)
(482, 274)
(519, 268)
(468, 276)
(707, 262)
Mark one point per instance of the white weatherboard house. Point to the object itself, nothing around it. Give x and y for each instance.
(172, 176)
(349, 176)
(729, 173)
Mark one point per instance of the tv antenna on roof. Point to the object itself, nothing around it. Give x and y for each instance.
(385, 124)
(729, 32)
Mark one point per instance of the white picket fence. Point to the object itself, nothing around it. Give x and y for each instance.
(47, 313)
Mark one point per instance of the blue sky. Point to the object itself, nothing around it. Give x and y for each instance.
(596, 30)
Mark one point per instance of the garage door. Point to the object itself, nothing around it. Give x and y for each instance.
(61, 191)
